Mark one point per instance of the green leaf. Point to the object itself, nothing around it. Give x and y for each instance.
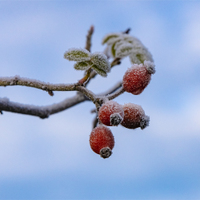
(113, 50)
(101, 61)
(123, 50)
(109, 38)
(134, 59)
(81, 65)
(99, 71)
(76, 54)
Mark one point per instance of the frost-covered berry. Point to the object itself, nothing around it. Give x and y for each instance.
(134, 116)
(111, 113)
(102, 141)
(138, 77)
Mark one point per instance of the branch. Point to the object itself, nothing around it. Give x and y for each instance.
(17, 80)
(116, 93)
(40, 111)
(88, 38)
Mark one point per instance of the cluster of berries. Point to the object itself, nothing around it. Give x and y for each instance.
(129, 115)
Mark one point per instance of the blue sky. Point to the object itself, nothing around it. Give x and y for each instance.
(51, 158)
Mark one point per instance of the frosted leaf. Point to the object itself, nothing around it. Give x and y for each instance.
(99, 71)
(134, 59)
(110, 38)
(76, 54)
(81, 65)
(124, 50)
(119, 43)
(150, 66)
(143, 53)
(135, 41)
(113, 50)
(101, 61)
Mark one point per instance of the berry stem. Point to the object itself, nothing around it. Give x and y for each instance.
(116, 93)
(85, 78)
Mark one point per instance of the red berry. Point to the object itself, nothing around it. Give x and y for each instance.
(138, 77)
(134, 116)
(102, 141)
(111, 113)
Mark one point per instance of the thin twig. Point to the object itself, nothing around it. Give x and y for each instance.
(116, 93)
(88, 38)
(95, 122)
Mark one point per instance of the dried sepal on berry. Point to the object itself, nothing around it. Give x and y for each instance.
(115, 119)
(150, 66)
(111, 113)
(76, 54)
(134, 116)
(102, 141)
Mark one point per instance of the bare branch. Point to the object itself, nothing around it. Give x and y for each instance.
(40, 111)
(88, 38)
(17, 80)
(116, 93)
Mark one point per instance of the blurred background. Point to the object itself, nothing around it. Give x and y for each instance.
(51, 158)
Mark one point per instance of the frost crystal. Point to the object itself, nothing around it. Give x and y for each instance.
(123, 50)
(122, 45)
(150, 66)
(76, 54)
(99, 71)
(115, 119)
(110, 38)
(144, 122)
(81, 65)
(101, 61)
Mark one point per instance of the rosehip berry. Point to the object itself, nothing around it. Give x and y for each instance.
(134, 116)
(138, 77)
(111, 113)
(102, 141)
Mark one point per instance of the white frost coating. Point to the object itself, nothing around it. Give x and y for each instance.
(77, 54)
(4, 100)
(116, 119)
(137, 52)
(123, 50)
(99, 71)
(134, 59)
(81, 65)
(114, 107)
(101, 61)
(109, 38)
(150, 66)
